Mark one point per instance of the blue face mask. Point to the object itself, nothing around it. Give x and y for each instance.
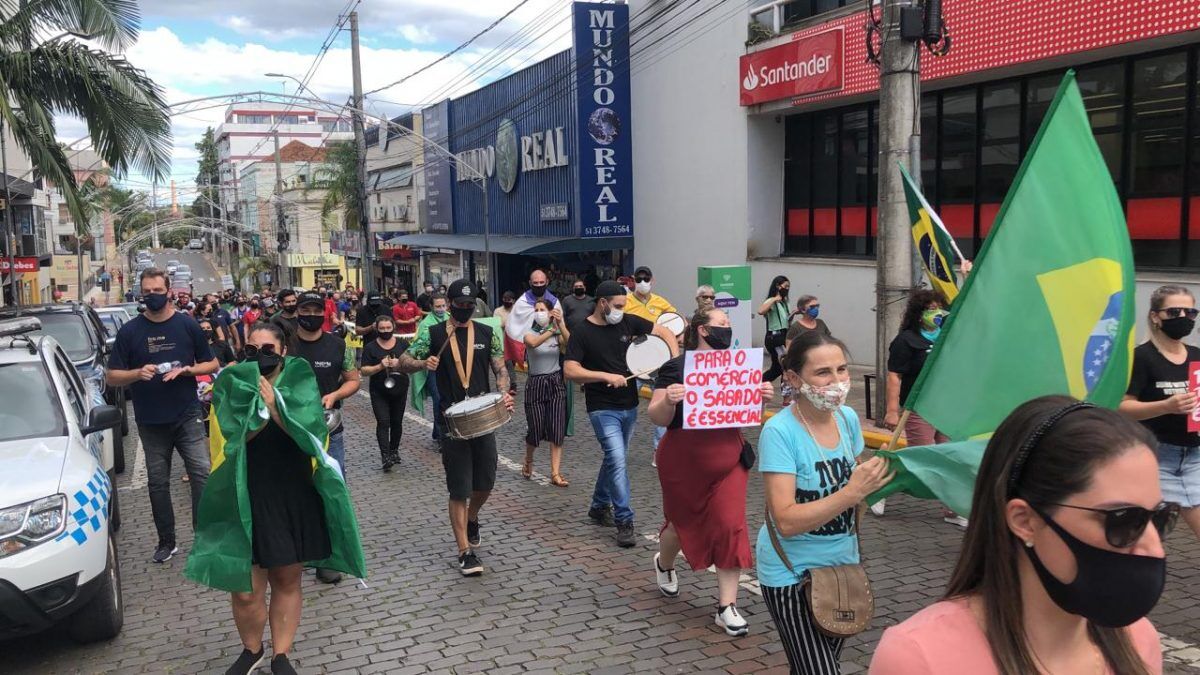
(931, 335)
(813, 312)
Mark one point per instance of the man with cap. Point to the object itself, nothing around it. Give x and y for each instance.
(365, 319)
(649, 306)
(337, 378)
(596, 359)
(461, 372)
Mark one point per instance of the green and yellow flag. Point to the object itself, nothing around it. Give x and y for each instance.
(221, 554)
(1048, 309)
(935, 246)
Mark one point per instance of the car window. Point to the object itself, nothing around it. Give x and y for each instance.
(36, 413)
(111, 323)
(71, 332)
(75, 394)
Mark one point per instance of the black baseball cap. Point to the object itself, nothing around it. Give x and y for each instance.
(461, 290)
(311, 298)
(609, 288)
(643, 270)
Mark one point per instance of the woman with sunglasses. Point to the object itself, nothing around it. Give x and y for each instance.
(1062, 560)
(1160, 397)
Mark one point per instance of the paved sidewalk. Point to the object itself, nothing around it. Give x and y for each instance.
(557, 596)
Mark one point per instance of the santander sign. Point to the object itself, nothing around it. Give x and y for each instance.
(804, 66)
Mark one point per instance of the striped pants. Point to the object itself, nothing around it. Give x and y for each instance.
(809, 651)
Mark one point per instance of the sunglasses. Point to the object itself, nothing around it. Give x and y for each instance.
(1124, 525)
(254, 350)
(1176, 312)
(641, 277)
(708, 297)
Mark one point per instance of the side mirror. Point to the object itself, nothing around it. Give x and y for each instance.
(100, 418)
(108, 343)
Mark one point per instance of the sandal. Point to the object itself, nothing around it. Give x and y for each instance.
(527, 469)
(558, 481)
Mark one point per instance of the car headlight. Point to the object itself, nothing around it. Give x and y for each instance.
(32, 523)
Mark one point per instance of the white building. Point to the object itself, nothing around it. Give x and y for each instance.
(394, 191)
(247, 136)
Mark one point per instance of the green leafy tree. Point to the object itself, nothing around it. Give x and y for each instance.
(208, 178)
(249, 267)
(127, 117)
(339, 178)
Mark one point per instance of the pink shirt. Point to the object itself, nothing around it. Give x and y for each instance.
(945, 639)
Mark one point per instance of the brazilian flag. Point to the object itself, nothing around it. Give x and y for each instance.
(221, 554)
(1048, 308)
(934, 243)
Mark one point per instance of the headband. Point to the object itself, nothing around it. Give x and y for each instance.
(1030, 443)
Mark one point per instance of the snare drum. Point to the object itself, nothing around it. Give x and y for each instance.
(476, 416)
(674, 322)
(645, 356)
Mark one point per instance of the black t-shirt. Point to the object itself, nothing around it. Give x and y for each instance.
(141, 342)
(288, 324)
(906, 356)
(366, 317)
(1155, 378)
(223, 352)
(450, 388)
(373, 355)
(425, 302)
(576, 309)
(602, 348)
(672, 373)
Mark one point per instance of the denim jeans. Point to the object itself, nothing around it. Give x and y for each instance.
(614, 429)
(337, 450)
(158, 442)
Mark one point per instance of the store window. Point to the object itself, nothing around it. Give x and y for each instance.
(1193, 237)
(959, 130)
(1154, 207)
(804, 9)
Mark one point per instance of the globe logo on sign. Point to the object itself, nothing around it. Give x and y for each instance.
(604, 126)
(506, 155)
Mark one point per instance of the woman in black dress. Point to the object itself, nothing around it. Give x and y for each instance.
(380, 362)
(288, 520)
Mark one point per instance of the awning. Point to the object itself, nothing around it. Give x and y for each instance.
(18, 187)
(512, 245)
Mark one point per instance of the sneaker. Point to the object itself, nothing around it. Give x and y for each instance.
(328, 576)
(625, 535)
(668, 583)
(247, 662)
(469, 565)
(281, 666)
(956, 520)
(878, 507)
(602, 516)
(733, 623)
(473, 532)
(165, 552)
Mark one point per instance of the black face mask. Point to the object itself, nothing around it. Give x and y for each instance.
(462, 314)
(1110, 589)
(267, 363)
(538, 291)
(289, 309)
(719, 337)
(155, 301)
(208, 335)
(384, 335)
(580, 292)
(1178, 328)
(374, 302)
(309, 322)
(508, 303)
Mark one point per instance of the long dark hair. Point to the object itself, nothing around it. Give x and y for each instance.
(917, 303)
(273, 329)
(774, 289)
(797, 353)
(691, 334)
(1061, 465)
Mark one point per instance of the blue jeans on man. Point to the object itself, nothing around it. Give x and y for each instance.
(614, 430)
(337, 450)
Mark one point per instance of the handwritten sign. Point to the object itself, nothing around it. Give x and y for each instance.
(1194, 386)
(723, 388)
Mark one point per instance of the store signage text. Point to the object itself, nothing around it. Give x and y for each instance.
(539, 150)
(24, 265)
(557, 211)
(808, 65)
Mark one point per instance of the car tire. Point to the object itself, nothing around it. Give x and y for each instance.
(114, 508)
(103, 616)
(118, 453)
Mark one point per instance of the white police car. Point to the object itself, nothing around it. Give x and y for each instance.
(58, 504)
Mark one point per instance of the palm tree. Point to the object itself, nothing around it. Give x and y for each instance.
(249, 267)
(127, 117)
(339, 178)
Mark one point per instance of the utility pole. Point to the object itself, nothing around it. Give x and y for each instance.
(899, 126)
(154, 206)
(9, 228)
(282, 236)
(360, 144)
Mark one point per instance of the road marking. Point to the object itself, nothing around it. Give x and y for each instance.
(137, 481)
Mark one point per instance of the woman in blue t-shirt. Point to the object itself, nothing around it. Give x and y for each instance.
(808, 457)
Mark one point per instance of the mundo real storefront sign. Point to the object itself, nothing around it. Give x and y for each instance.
(802, 67)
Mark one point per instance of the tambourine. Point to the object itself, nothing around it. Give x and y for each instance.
(673, 322)
(645, 355)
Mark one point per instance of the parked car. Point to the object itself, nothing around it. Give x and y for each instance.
(196, 243)
(82, 335)
(58, 503)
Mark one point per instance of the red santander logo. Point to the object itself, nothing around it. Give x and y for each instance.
(804, 66)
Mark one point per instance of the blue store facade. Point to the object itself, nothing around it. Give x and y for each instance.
(541, 174)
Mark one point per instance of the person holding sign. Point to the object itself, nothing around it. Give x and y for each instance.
(703, 471)
(1162, 396)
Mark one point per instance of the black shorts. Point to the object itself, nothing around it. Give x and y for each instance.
(470, 465)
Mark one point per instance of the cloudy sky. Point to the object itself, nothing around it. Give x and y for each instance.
(201, 48)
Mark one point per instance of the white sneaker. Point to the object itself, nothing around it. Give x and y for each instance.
(878, 507)
(668, 582)
(732, 622)
(956, 520)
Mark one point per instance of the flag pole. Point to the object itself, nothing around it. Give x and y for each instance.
(899, 428)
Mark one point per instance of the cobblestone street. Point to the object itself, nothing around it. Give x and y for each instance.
(557, 594)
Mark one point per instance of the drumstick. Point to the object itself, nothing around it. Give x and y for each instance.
(644, 372)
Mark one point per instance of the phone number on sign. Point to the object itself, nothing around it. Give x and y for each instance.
(607, 230)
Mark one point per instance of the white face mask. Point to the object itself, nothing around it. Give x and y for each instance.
(826, 398)
(542, 318)
(643, 287)
(614, 316)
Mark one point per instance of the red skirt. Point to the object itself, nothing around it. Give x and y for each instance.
(704, 496)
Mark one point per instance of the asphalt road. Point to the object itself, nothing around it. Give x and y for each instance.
(205, 277)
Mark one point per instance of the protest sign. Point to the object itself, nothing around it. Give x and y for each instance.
(723, 388)
(1194, 387)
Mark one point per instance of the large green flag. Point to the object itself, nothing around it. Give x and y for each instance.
(222, 552)
(1049, 306)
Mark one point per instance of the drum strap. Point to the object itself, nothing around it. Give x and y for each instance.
(463, 374)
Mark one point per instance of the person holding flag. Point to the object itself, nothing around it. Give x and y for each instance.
(520, 316)
(275, 501)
